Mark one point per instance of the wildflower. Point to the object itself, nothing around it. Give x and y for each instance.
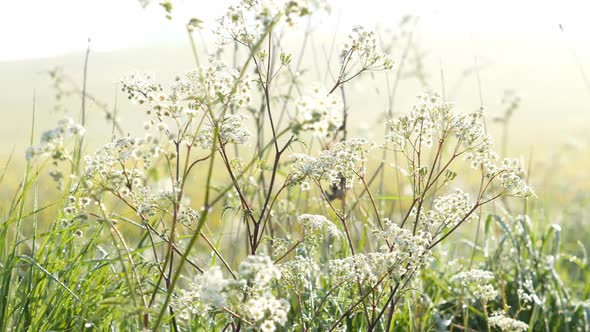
(420, 125)
(344, 160)
(509, 174)
(404, 252)
(207, 291)
(257, 304)
(198, 89)
(240, 23)
(318, 113)
(247, 21)
(213, 83)
(305, 186)
(231, 130)
(300, 269)
(504, 323)
(141, 88)
(449, 210)
(315, 226)
(365, 268)
(53, 141)
(268, 326)
(85, 201)
(259, 271)
(363, 44)
(211, 286)
(266, 310)
(478, 282)
(403, 241)
(433, 120)
(188, 216)
(318, 224)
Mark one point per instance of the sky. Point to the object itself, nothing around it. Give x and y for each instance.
(31, 29)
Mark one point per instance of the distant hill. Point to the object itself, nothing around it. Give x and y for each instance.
(553, 95)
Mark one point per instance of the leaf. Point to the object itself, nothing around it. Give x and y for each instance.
(47, 273)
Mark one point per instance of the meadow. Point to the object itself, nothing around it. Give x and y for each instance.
(279, 187)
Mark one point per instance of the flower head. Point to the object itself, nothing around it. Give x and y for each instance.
(318, 113)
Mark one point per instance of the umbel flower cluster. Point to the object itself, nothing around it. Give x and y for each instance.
(507, 324)
(344, 160)
(318, 113)
(433, 122)
(248, 21)
(249, 294)
(362, 44)
(478, 283)
(196, 90)
(53, 141)
(401, 252)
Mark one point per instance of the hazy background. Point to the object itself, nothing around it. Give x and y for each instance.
(518, 46)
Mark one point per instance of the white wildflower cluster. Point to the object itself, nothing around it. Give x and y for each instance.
(483, 156)
(363, 44)
(249, 295)
(198, 89)
(318, 113)
(119, 167)
(105, 168)
(52, 141)
(449, 210)
(507, 324)
(404, 252)
(262, 307)
(477, 282)
(142, 88)
(470, 130)
(422, 124)
(280, 246)
(149, 201)
(291, 11)
(266, 311)
(366, 269)
(210, 287)
(433, 120)
(509, 172)
(259, 271)
(344, 160)
(214, 83)
(240, 23)
(301, 268)
(315, 227)
(206, 292)
(247, 21)
(232, 129)
(402, 240)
